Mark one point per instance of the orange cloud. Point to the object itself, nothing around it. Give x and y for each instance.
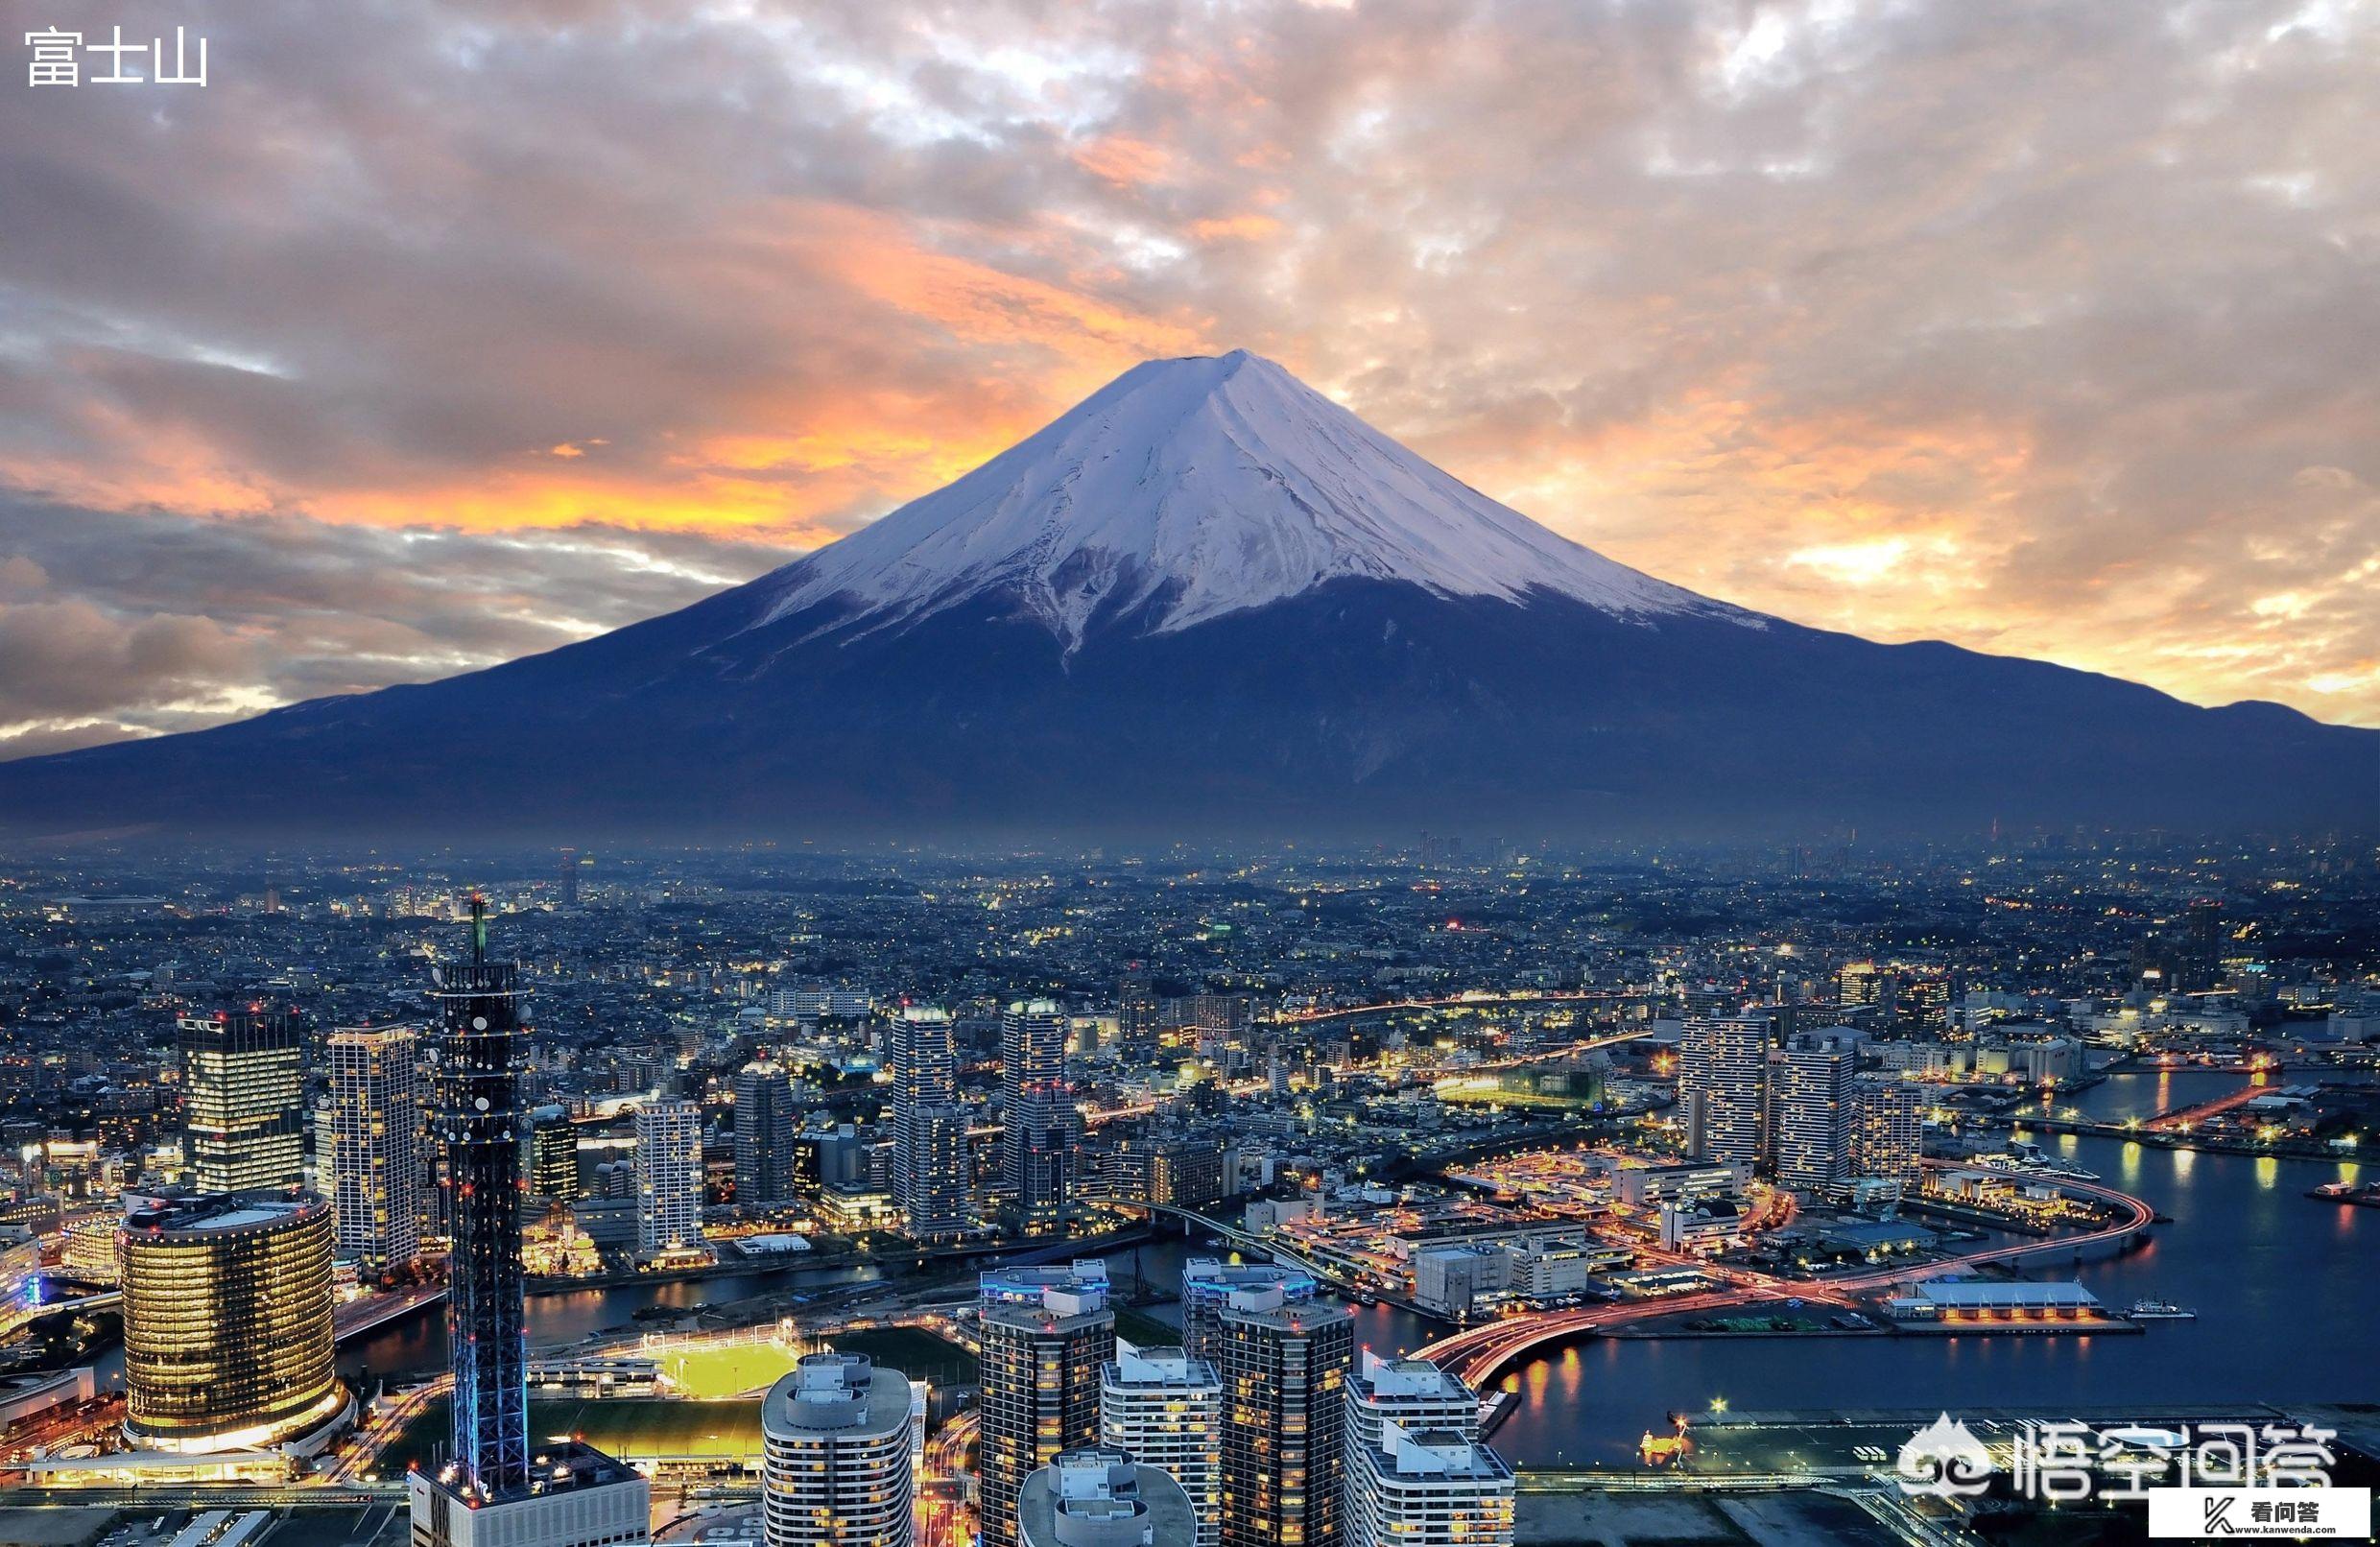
(1250, 227)
(1126, 163)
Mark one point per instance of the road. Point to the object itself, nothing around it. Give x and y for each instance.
(359, 1458)
(1472, 1001)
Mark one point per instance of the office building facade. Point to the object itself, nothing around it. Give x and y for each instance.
(228, 1323)
(244, 1087)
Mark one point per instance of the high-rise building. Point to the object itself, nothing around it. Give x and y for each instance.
(1100, 1497)
(1284, 1366)
(1207, 1286)
(1426, 1487)
(474, 1115)
(1046, 1332)
(1814, 1116)
(836, 1439)
(1412, 1392)
(669, 1176)
(570, 877)
(764, 1135)
(1037, 1118)
(1136, 1018)
(553, 1155)
(373, 1124)
(228, 1323)
(931, 1173)
(244, 1085)
(494, 1490)
(1888, 1130)
(1164, 1409)
(1180, 1170)
(1723, 1073)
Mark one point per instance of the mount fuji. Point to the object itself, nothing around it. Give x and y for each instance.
(1207, 600)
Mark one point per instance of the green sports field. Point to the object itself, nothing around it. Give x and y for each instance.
(706, 1373)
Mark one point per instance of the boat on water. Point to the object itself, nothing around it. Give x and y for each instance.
(2367, 1196)
(2159, 1311)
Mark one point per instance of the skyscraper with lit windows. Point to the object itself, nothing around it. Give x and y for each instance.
(764, 1134)
(1037, 1118)
(1045, 1334)
(669, 1176)
(836, 1441)
(1285, 1365)
(931, 1176)
(1723, 1086)
(227, 1336)
(372, 1123)
(244, 1087)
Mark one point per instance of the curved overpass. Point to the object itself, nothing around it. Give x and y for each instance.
(1480, 1353)
(1270, 1246)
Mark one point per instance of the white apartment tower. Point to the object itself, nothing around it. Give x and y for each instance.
(1412, 1392)
(1426, 1489)
(1164, 1409)
(836, 1434)
(669, 1176)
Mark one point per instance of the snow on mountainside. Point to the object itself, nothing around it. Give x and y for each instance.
(1198, 487)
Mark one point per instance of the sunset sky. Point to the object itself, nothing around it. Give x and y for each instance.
(425, 335)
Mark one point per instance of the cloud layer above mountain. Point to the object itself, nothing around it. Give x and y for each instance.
(426, 334)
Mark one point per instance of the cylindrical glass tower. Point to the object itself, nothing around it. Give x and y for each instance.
(226, 1321)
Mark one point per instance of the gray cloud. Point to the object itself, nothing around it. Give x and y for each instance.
(115, 624)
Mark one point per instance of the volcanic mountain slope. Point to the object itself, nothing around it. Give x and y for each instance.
(1209, 602)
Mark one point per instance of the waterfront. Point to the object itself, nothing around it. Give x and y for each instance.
(2286, 1292)
(2245, 1249)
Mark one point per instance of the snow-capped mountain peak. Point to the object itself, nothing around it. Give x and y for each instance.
(1192, 488)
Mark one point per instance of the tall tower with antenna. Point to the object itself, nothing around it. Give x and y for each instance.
(494, 1489)
(475, 1113)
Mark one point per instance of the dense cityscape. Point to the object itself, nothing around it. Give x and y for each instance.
(1165, 1198)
